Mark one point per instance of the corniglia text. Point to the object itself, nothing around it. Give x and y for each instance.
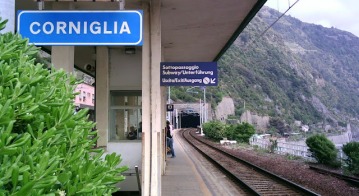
(83, 27)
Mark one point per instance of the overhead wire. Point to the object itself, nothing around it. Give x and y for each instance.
(270, 26)
(290, 7)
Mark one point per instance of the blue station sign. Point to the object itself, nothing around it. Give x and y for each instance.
(122, 27)
(189, 74)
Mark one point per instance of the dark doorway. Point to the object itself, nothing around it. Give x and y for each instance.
(190, 121)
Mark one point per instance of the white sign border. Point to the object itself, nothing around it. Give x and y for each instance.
(87, 43)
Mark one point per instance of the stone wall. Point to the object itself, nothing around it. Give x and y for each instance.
(224, 109)
(259, 122)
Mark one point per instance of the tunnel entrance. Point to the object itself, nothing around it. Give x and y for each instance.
(190, 121)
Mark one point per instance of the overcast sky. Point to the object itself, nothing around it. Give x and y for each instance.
(341, 14)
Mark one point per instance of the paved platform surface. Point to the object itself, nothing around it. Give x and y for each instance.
(181, 176)
(188, 174)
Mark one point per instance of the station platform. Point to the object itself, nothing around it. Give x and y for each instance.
(181, 175)
(190, 174)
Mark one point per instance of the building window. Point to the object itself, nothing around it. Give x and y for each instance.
(125, 115)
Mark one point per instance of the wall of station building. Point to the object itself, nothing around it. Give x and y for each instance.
(125, 69)
(125, 76)
(7, 11)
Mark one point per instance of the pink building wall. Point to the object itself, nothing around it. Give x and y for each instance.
(86, 98)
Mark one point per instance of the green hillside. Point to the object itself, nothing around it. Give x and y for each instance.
(294, 72)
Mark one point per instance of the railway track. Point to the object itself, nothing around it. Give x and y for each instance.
(255, 180)
(352, 180)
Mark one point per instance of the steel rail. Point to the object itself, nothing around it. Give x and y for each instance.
(350, 179)
(268, 174)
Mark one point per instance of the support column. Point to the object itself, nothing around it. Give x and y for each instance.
(163, 125)
(102, 94)
(163, 144)
(156, 98)
(146, 102)
(63, 57)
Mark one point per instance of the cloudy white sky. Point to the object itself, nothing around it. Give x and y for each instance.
(341, 14)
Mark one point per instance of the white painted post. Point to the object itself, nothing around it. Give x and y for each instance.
(122, 4)
(156, 98)
(200, 113)
(40, 5)
(169, 116)
(102, 94)
(176, 116)
(146, 102)
(205, 107)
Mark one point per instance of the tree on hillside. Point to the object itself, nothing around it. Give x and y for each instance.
(278, 125)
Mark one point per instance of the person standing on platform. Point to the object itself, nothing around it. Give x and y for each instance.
(169, 135)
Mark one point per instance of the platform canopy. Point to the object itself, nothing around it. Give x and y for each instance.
(201, 30)
(192, 30)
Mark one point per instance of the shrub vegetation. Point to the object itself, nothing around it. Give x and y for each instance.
(323, 150)
(46, 149)
(351, 149)
(217, 130)
(243, 132)
(214, 130)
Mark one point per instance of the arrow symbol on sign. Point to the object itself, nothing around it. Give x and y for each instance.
(213, 80)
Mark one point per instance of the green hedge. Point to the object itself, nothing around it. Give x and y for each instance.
(46, 149)
(243, 132)
(323, 150)
(217, 130)
(230, 132)
(351, 149)
(214, 130)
